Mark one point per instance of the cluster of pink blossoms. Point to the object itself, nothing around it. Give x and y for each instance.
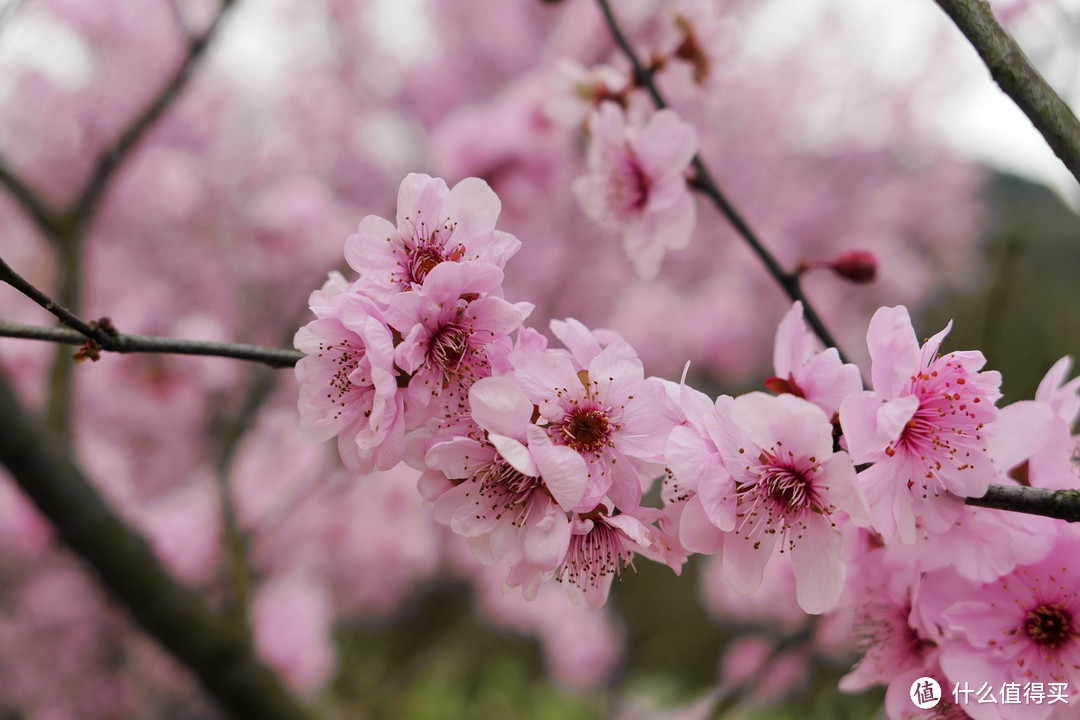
(540, 455)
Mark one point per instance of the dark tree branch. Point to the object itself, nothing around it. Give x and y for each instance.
(17, 281)
(704, 183)
(1059, 504)
(274, 357)
(111, 341)
(218, 653)
(1015, 74)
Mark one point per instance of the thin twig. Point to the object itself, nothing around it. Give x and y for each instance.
(1015, 74)
(120, 343)
(704, 183)
(17, 281)
(46, 218)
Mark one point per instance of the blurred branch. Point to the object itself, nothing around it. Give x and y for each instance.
(704, 183)
(1059, 504)
(228, 430)
(218, 653)
(274, 357)
(113, 156)
(729, 698)
(1015, 74)
(55, 223)
(47, 219)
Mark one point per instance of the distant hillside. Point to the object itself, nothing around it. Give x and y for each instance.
(1026, 312)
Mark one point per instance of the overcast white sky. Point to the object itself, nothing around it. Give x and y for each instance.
(969, 111)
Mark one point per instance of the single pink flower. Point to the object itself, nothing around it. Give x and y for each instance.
(637, 182)
(511, 486)
(883, 586)
(806, 369)
(451, 337)
(792, 489)
(924, 427)
(434, 225)
(578, 90)
(1021, 628)
(349, 385)
(608, 412)
(600, 546)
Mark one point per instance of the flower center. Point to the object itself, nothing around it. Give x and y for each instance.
(593, 556)
(587, 430)
(787, 488)
(423, 260)
(1049, 626)
(448, 347)
(632, 186)
(507, 490)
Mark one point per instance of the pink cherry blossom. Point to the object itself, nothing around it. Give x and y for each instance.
(579, 90)
(806, 369)
(637, 182)
(451, 337)
(792, 489)
(349, 385)
(508, 489)
(600, 546)
(1022, 627)
(434, 225)
(924, 427)
(884, 586)
(607, 411)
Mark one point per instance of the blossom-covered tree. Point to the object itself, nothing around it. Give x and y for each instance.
(553, 207)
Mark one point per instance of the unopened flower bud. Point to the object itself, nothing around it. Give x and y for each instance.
(858, 266)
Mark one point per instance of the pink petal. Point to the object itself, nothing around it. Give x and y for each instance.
(819, 568)
(368, 249)
(894, 351)
(500, 406)
(420, 192)
(563, 470)
(474, 206)
(514, 453)
(666, 145)
(790, 349)
(744, 564)
(697, 532)
(545, 543)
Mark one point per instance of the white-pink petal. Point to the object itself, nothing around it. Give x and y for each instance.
(500, 406)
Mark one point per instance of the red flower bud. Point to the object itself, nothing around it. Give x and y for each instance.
(857, 266)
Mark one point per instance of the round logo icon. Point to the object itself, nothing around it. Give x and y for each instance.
(925, 693)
